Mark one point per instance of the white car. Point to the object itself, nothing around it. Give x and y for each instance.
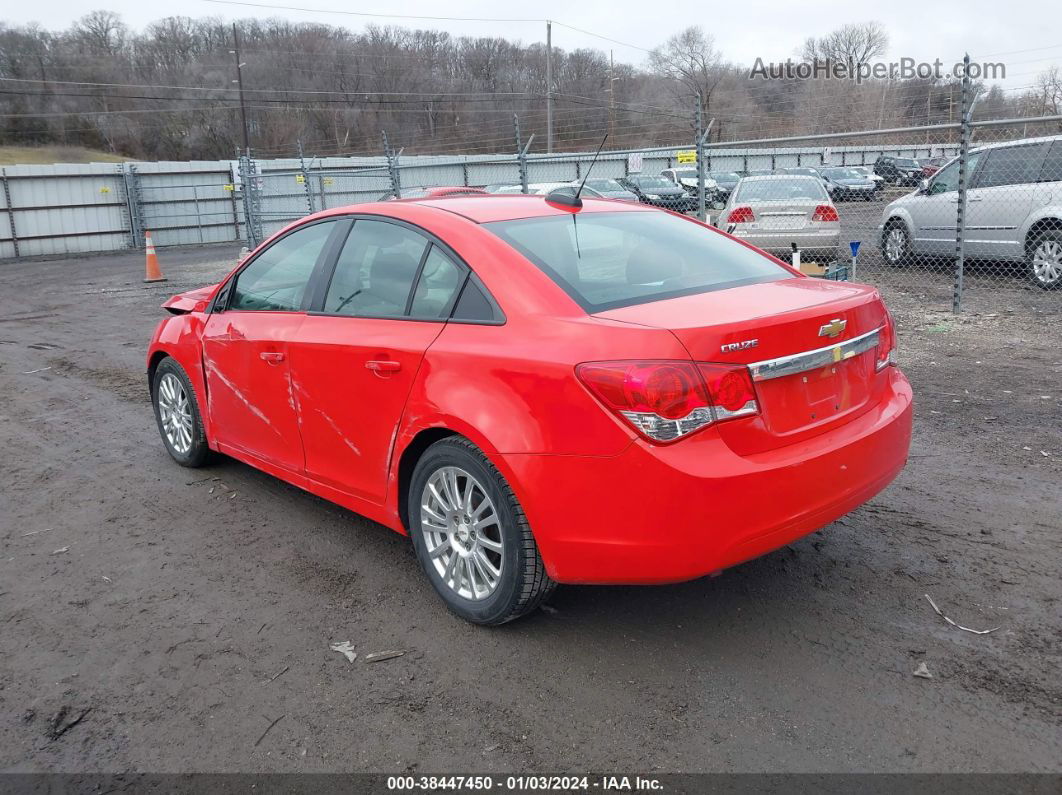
(1013, 210)
(687, 178)
(778, 211)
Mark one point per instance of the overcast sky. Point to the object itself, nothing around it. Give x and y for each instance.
(1023, 36)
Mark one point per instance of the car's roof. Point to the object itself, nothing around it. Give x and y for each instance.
(1019, 142)
(509, 207)
(776, 177)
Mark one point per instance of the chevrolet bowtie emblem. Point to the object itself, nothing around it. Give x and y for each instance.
(833, 328)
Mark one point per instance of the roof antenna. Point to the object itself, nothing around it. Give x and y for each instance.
(564, 201)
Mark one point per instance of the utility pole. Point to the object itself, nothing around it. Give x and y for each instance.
(611, 99)
(549, 86)
(239, 80)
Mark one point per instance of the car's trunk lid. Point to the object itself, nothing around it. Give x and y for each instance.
(811, 346)
(782, 216)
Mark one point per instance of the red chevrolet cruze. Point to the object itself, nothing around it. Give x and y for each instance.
(539, 394)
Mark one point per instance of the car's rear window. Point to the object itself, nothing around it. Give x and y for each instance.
(608, 260)
(781, 189)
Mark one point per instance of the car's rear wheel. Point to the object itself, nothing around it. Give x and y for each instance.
(471, 536)
(896, 243)
(1045, 259)
(177, 414)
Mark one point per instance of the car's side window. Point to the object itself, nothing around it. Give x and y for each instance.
(440, 280)
(947, 179)
(1051, 171)
(375, 271)
(1010, 165)
(276, 279)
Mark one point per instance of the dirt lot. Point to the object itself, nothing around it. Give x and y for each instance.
(180, 613)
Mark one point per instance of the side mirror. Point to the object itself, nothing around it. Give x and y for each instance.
(923, 187)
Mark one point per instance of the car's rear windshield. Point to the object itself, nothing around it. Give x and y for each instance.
(608, 260)
(780, 189)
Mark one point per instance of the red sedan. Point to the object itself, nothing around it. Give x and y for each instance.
(537, 394)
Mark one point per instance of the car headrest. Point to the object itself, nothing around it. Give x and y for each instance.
(391, 275)
(649, 264)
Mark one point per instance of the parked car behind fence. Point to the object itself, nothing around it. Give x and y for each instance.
(779, 211)
(1013, 211)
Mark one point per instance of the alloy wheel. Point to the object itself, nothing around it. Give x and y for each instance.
(175, 412)
(895, 244)
(462, 533)
(1047, 262)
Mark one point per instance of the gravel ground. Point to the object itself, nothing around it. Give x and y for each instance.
(154, 618)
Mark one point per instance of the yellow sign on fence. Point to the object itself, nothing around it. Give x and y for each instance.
(689, 156)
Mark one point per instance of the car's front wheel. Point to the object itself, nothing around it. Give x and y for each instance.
(471, 536)
(896, 243)
(177, 414)
(1045, 259)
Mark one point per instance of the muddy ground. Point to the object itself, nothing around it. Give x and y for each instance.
(179, 613)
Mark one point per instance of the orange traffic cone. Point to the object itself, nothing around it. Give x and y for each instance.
(152, 273)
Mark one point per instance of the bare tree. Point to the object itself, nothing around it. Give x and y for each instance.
(853, 44)
(690, 60)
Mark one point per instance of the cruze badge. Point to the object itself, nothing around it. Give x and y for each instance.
(744, 345)
(833, 328)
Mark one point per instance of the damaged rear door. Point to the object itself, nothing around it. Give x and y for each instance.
(358, 352)
(245, 349)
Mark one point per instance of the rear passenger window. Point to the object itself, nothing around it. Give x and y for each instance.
(438, 286)
(474, 305)
(1012, 165)
(1052, 168)
(375, 270)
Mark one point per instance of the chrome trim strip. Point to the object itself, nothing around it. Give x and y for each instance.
(812, 360)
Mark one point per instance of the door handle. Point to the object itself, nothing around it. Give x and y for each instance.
(273, 357)
(383, 366)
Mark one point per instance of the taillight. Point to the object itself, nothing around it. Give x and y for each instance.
(825, 212)
(741, 215)
(886, 353)
(666, 400)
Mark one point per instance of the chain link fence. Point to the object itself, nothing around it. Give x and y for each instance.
(941, 212)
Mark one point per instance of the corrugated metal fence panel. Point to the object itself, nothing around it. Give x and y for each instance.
(68, 209)
(189, 203)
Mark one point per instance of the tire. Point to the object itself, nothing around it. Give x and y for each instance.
(1044, 259)
(177, 415)
(456, 556)
(899, 252)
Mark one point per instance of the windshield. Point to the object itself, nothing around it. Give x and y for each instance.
(905, 162)
(685, 173)
(724, 176)
(659, 183)
(606, 260)
(604, 185)
(780, 189)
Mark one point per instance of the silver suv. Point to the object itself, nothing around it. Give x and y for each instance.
(1013, 210)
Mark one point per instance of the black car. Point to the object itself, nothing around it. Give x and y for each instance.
(847, 183)
(660, 192)
(725, 182)
(898, 170)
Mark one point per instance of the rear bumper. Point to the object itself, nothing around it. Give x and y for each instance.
(818, 242)
(657, 514)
